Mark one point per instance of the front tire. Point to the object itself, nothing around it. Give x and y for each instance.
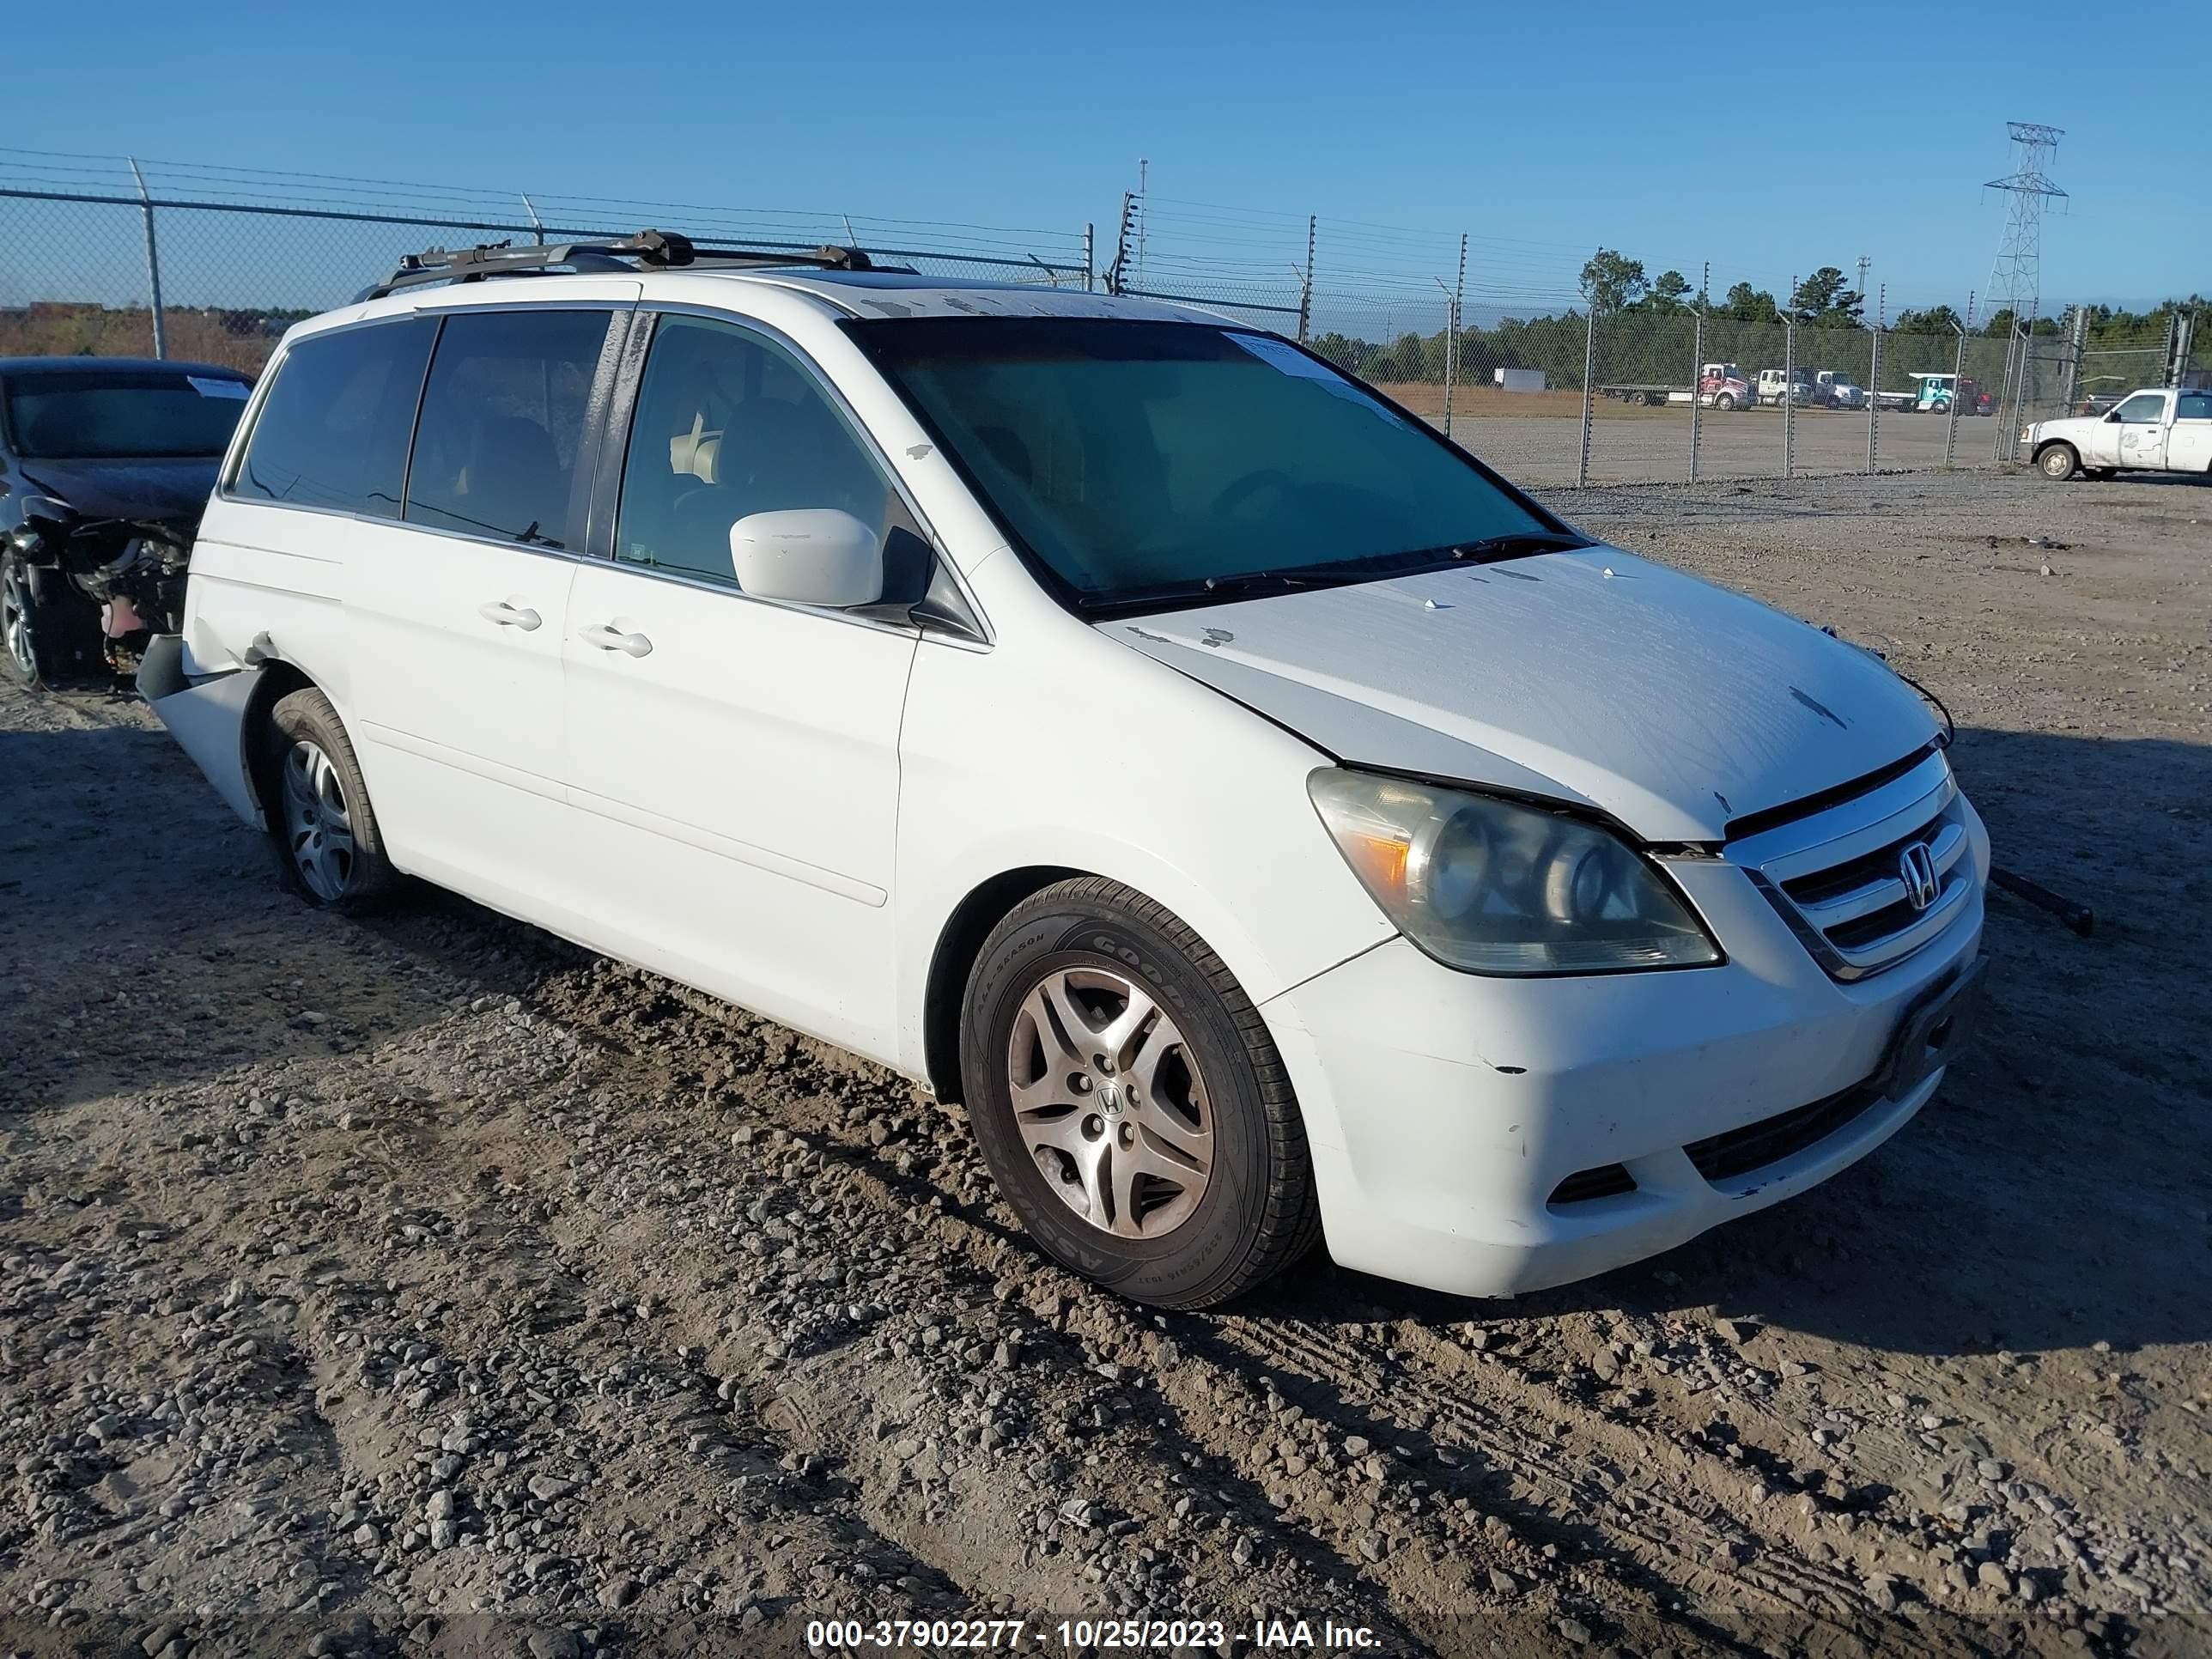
(1130, 1104)
(46, 633)
(2059, 463)
(1725, 402)
(328, 846)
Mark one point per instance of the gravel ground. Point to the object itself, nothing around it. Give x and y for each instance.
(422, 1285)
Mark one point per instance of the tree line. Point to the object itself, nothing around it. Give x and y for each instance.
(1646, 332)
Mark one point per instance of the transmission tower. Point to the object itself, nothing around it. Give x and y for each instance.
(2014, 282)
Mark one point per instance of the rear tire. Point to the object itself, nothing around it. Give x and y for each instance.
(324, 830)
(2058, 463)
(1173, 1170)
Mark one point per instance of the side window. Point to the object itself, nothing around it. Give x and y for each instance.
(2194, 406)
(333, 430)
(502, 415)
(2144, 407)
(729, 424)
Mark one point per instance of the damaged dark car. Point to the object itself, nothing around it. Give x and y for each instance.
(106, 465)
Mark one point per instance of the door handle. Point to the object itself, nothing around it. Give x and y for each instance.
(509, 615)
(609, 638)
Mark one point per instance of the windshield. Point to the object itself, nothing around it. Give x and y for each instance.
(124, 414)
(1135, 462)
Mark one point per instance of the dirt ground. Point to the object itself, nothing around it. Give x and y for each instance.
(422, 1285)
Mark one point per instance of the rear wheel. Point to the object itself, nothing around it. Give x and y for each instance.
(323, 828)
(2059, 463)
(1130, 1103)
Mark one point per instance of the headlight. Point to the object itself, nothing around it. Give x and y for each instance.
(1496, 888)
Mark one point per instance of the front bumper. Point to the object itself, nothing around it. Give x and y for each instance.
(1444, 1109)
(207, 714)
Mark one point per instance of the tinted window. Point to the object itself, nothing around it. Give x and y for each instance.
(1134, 459)
(2195, 407)
(729, 424)
(333, 430)
(2144, 406)
(503, 416)
(123, 413)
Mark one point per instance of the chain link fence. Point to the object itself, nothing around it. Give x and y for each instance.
(212, 265)
(111, 257)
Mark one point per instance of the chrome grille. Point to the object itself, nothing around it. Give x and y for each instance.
(1841, 876)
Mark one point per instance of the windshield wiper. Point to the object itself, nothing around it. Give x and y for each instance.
(1515, 543)
(1261, 581)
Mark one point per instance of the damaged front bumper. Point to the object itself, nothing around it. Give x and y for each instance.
(206, 715)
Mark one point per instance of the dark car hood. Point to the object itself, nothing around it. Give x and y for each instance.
(173, 492)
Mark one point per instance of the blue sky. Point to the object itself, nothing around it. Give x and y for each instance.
(1769, 139)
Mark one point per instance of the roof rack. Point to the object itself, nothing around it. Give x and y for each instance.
(653, 249)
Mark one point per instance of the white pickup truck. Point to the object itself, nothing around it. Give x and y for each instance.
(2154, 430)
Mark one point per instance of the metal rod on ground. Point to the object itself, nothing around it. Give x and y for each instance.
(1789, 371)
(1589, 374)
(1874, 373)
(1697, 364)
(153, 261)
(2079, 917)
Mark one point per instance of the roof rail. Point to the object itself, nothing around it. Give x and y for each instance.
(653, 249)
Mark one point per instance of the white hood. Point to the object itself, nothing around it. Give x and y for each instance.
(1591, 676)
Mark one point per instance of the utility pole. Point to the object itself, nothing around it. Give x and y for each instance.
(1864, 263)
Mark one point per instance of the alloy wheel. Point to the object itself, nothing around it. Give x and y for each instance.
(317, 821)
(1109, 1101)
(15, 621)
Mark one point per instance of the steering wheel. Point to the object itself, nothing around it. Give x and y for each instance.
(1251, 484)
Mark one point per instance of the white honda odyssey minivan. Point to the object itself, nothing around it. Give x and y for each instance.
(1265, 820)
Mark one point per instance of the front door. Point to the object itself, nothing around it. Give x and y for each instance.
(455, 609)
(2142, 422)
(732, 763)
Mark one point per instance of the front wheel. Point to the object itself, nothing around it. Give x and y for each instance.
(328, 846)
(1130, 1104)
(2059, 463)
(1725, 401)
(46, 632)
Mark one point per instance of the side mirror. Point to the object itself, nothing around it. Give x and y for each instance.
(808, 555)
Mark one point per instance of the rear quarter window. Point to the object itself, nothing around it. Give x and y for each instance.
(333, 432)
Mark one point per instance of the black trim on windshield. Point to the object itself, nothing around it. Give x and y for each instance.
(865, 332)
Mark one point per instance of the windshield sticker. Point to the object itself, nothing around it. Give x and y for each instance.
(1290, 360)
(208, 388)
